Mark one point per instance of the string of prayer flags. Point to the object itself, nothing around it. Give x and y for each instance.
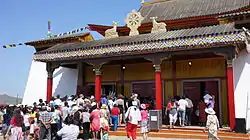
(12, 45)
(49, 35)
(70, 33)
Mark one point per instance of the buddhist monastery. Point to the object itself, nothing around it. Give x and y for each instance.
(167, 48)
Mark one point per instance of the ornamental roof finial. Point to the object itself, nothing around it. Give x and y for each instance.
(133, 21)
(111, 33)
(49, 34)
(158, 27)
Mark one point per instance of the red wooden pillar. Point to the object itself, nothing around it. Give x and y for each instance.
(158, 87)
(98, 85)
(49, 88)
(230, 93)
(50, 70)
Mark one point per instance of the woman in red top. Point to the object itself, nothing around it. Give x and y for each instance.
(16, 125)
(114, 116)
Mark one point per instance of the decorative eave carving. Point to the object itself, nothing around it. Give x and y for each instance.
(158, 27)
(112, 33)
(133, 21)
(247, 39)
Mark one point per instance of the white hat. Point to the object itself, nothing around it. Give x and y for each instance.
(104, 106)
(136, 95)
(86, 100)
(210, 111)
(48, 108)
(69, 98)
(75, 108)
(143, 106)
(134, 103)
(93, 104)
(92, 97)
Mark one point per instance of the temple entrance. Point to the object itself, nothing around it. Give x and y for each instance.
(145, 91)
(196, 89)
(108, 89)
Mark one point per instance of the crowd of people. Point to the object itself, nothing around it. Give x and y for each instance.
(182, 110)
(80, 117)
(74, 117)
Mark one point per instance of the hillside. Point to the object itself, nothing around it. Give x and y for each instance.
(6, 99)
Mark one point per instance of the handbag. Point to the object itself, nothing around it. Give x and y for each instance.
(127, 118)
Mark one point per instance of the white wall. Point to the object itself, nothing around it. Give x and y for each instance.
(241, 67)
(64, 82)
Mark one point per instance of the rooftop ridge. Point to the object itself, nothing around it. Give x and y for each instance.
(155, 1)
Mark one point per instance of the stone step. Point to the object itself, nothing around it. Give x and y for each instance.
(200, 135)
(187, 131)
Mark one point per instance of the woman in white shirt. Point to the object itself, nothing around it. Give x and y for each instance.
(133, 116)
(69, 131)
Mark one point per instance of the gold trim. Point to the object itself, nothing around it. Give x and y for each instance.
(229, 63)
(157, 68)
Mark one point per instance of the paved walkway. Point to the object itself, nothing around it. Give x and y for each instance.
(140, 138)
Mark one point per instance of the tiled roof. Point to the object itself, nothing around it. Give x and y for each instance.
(178, 9)
(51, 39)
(131, 44)
(234, 14)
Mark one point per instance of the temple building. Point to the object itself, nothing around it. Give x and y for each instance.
(167, 48)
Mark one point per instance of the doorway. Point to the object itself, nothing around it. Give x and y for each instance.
(108, 89)
(195, 90)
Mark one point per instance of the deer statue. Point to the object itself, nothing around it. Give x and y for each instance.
(111, 33)
(158, 27)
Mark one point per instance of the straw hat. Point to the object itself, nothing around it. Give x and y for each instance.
(86, 100)
(104, 106)
(210, 111)
(93, 104)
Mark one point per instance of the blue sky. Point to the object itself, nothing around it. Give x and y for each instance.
(26, 20)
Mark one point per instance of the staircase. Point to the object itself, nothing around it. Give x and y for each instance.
(184, 133)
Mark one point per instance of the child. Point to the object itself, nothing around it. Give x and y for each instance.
(34, 128)
(144, 121)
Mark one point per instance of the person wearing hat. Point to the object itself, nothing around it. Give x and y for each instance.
(104, 117)
(104, 111)
(172, 112)
(133, 116)
(70, 101)
(80, 99)
(212, 124)
(144, 121)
